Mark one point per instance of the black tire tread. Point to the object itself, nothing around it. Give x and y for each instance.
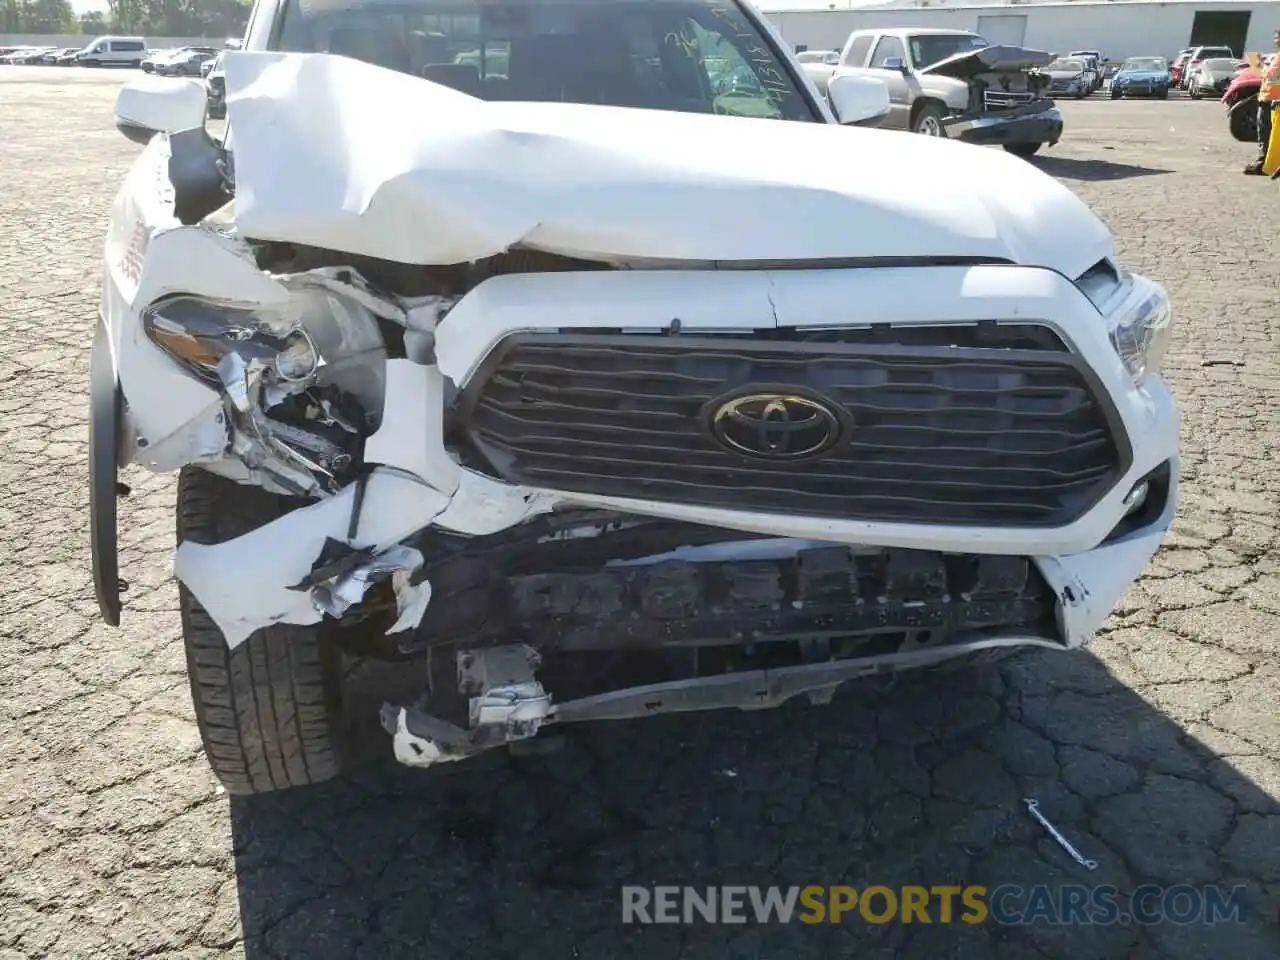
(269, 712)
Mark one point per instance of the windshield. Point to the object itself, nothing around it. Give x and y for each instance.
(1146, 63)
(693, 56)
(1066, 66)
(927, 49)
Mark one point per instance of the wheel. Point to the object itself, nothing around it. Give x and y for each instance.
(1115, 94)
(1194, 92)
(928, 121)
(270, 711)
(1083, 94)
(1163, 94)
(91, 63)
(1023, 150)
(1242, 121)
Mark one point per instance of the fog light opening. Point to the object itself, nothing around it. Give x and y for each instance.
(1136, 498)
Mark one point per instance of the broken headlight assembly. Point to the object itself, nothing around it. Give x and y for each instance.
(303, 384)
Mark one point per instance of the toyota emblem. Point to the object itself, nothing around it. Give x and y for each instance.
(778, 426)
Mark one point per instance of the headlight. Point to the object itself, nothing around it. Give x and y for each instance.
(203, 336)
(305, 383)
(1140, 331)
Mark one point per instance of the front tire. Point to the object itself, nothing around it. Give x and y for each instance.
(1024, 150)
(928, 121)
(270, 711)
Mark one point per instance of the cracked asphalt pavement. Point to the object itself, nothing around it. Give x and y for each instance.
(1157, 751)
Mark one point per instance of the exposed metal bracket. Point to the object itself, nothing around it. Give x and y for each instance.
(507, 704)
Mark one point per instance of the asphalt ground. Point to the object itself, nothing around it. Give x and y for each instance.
(1157, 751)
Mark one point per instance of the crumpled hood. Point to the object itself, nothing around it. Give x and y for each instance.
(997, 58)
(336, 153)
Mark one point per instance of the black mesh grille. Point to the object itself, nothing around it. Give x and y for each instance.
(933, 434)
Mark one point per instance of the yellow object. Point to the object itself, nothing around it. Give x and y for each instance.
(1270, 90)
(1272, 163)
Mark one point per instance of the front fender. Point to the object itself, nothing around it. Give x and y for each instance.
(954, 93)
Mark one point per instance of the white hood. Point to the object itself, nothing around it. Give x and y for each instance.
(337, 153)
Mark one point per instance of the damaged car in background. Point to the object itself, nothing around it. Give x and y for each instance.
(951, 83)
(597, 393)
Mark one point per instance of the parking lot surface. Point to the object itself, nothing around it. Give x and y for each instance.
(1157, 752)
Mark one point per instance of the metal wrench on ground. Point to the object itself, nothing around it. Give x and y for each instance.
(1033, 806)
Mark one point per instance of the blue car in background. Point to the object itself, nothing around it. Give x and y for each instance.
(1142, 77)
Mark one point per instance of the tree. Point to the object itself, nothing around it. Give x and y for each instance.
(93, 23)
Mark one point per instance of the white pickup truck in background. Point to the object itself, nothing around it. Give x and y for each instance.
(952, 83)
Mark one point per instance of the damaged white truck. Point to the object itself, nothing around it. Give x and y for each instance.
(581, 351)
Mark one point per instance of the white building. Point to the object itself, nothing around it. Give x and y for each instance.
(1119, 28)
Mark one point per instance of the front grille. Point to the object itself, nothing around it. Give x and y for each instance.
(953, 428)
(1002, 100)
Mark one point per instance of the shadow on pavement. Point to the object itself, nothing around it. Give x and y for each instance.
(1070, 168)
(922, 783)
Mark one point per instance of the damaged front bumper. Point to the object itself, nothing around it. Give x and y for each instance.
(1036, 122)
(361, 402)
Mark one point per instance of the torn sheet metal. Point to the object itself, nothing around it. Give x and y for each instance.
(455, 179)
(246, 583)
(334, 596)
(996, 58)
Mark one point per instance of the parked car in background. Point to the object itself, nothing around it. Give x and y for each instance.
(1241, 101)
(113, 52)
(829, 57)
(207, 67)
(148, 63)
(1142, 77)
(1068, 77)
(953, 83)
(1178, 65)
(1212, 77)
(1197, 56)
(67, 58)
(28, 56)
(1093, 64)
(59, 58)
(185, 62)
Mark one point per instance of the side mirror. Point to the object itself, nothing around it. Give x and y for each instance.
(154, 105)
(857, 100)
(894, 63)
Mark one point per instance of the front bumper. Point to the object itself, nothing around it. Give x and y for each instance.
(246, 583)
(1140, 88)
(1039, 122)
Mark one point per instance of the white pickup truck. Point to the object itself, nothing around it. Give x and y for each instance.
(952, 83)
(602, 380)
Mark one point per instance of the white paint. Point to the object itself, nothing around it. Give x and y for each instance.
(1004, 29)
(165, 104)
(455, 179)
(244, 583)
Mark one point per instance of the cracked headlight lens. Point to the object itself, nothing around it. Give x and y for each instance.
(201, 336)
(1140, 332)
(318, 338)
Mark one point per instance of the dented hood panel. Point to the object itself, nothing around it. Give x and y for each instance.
(993, 59)
(337, 153)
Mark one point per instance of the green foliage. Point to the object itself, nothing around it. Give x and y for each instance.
(37, 16)
(179, 18)
(160, 18)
